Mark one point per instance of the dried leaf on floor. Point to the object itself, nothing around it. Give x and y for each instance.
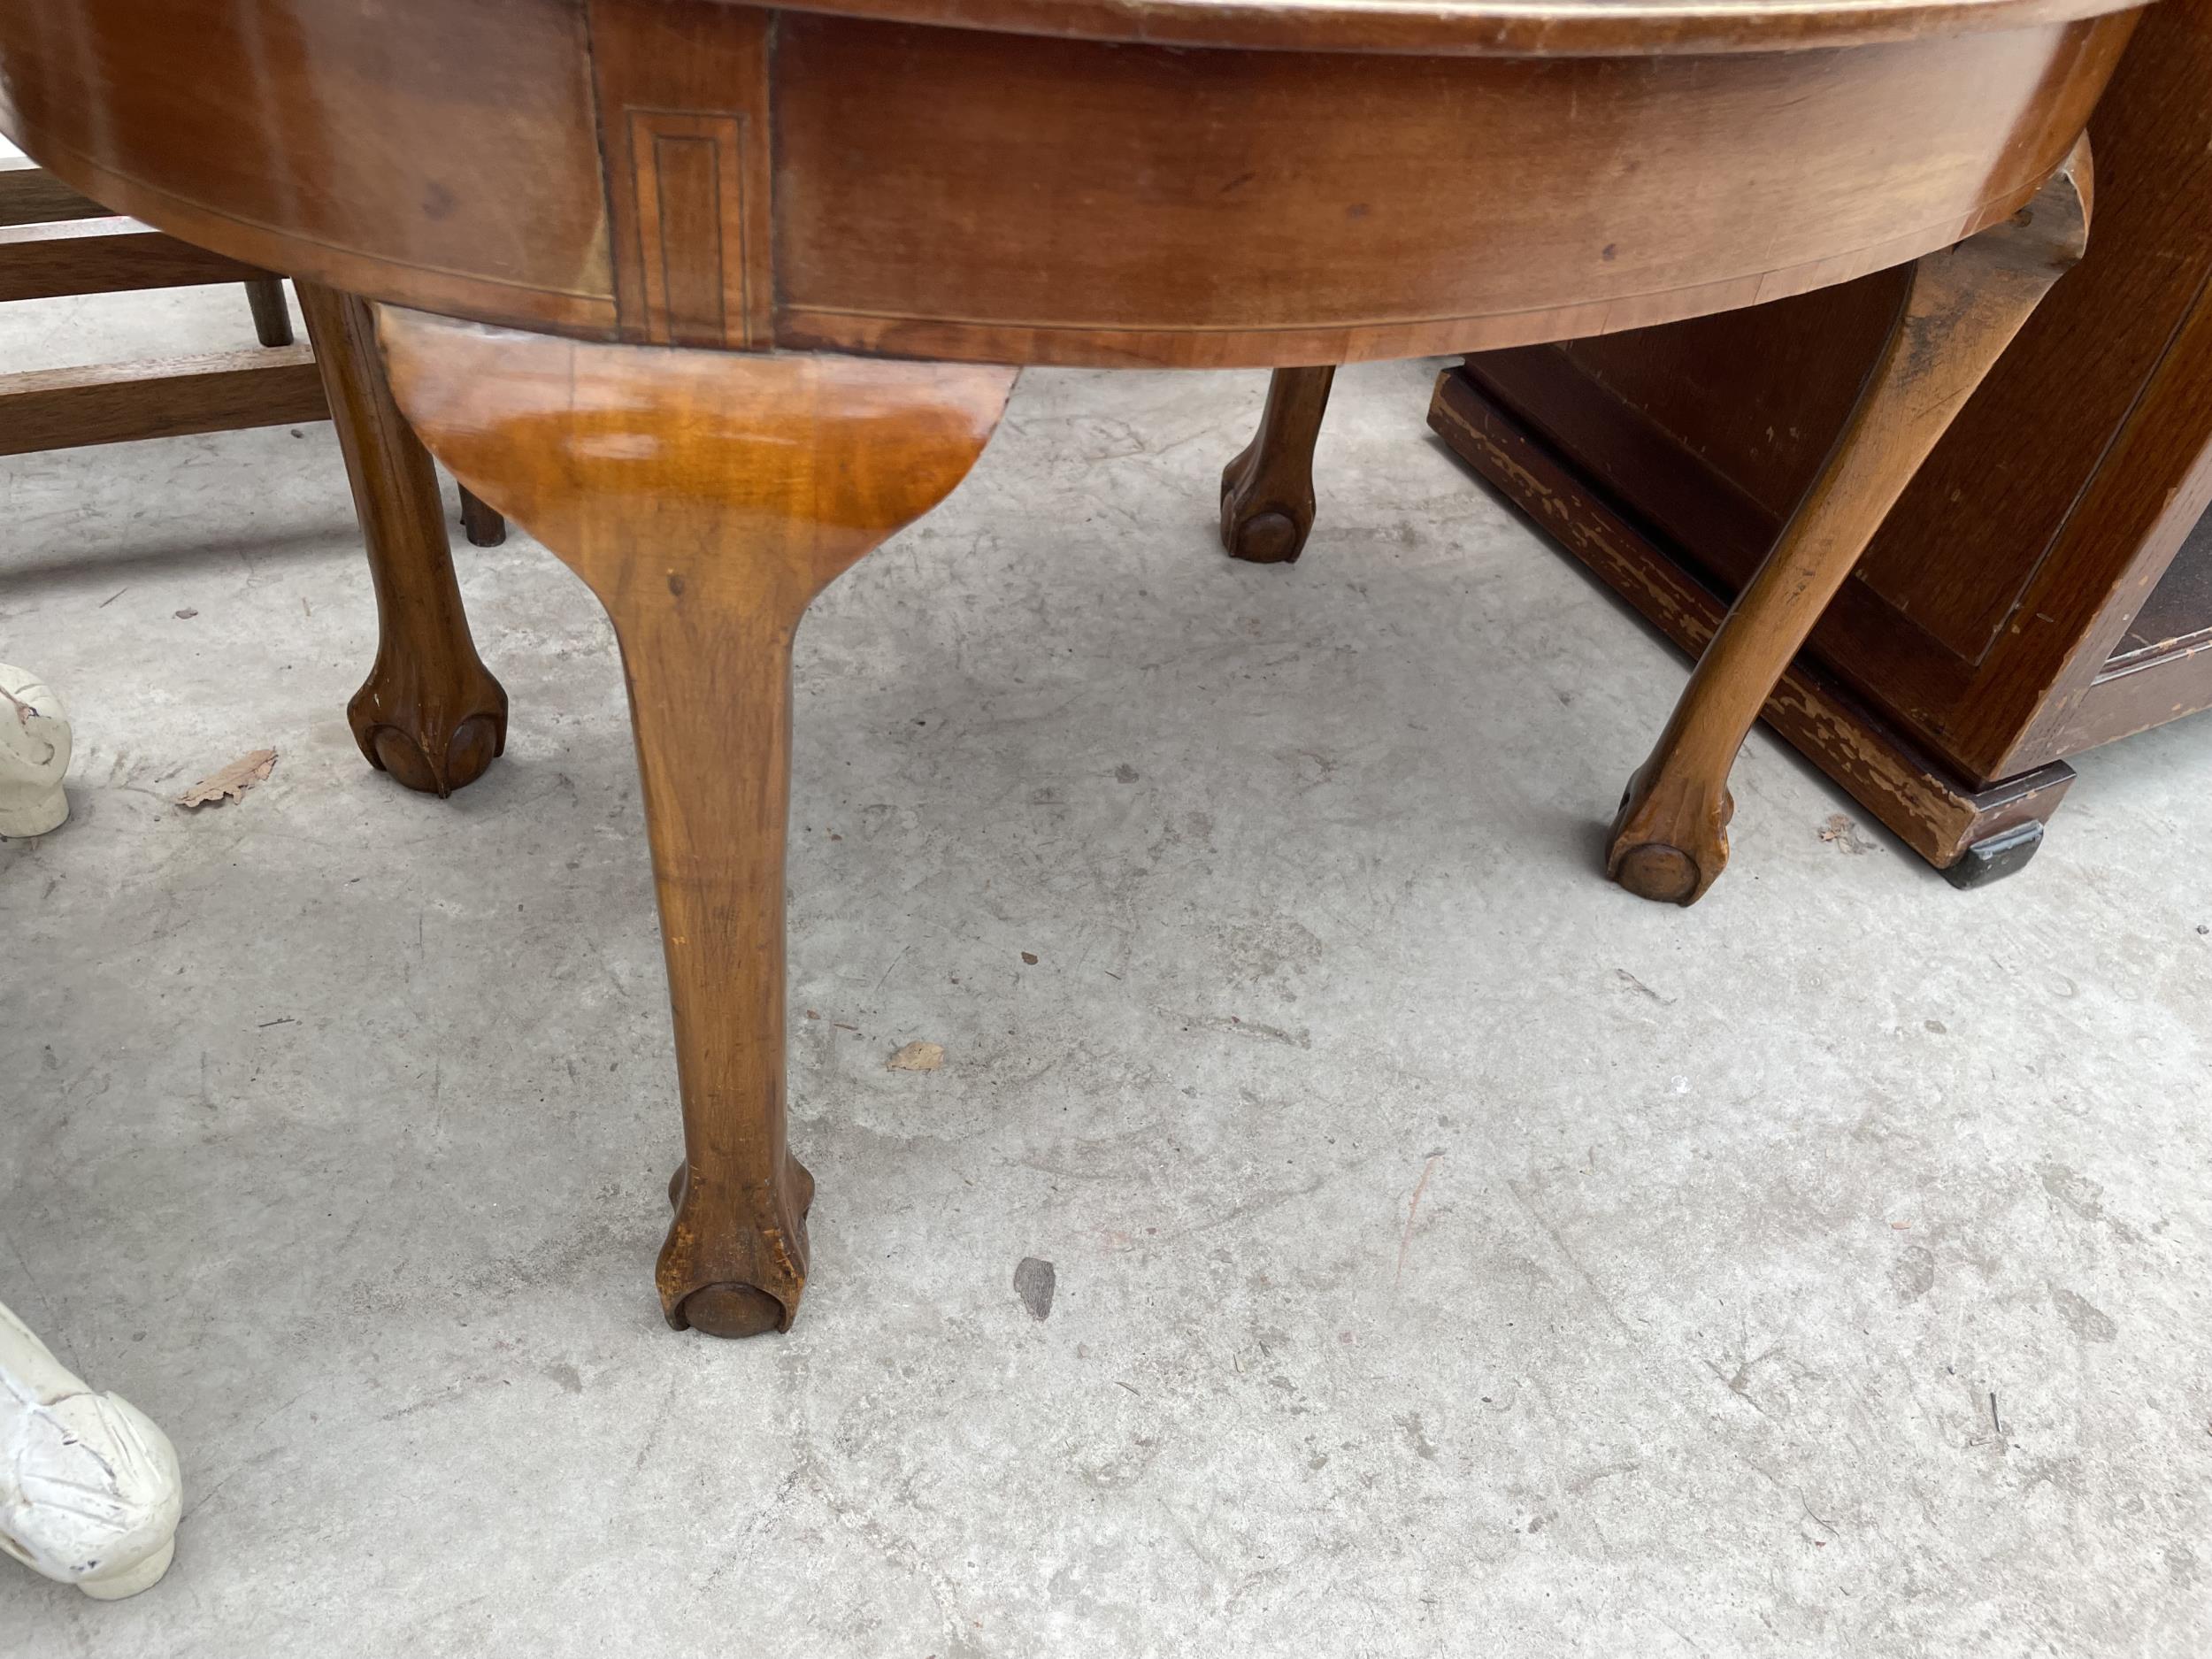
(233, 781)
(917, 1057)
(1844, 834)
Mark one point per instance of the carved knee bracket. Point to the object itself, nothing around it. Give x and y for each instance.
(706, 497)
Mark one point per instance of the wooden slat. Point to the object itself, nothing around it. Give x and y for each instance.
(29, 195)
(104, 256)
(61, 409)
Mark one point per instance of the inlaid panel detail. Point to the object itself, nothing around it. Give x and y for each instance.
(689, 175)
(683, 120)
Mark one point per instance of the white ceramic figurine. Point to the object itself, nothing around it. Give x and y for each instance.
(89, 1488)
(33, 755)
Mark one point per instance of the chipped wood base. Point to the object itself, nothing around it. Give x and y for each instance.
(1669, 838)
(736, 1308)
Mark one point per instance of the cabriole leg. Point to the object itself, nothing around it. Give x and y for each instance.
(1961, 308)
(706, 497)
(430, 713)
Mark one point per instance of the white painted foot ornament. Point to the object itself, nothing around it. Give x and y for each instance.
(89, 1488)
(33, 755)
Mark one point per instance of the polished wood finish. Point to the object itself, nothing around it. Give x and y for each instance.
(104, 256)
(54, 242)
(680, 195)
(706, 499)
(241, 128)
(1548, 28)
(1961, 308)
(956, 193)
(170, 397)
(1344, 207)
(430, 713)
(683, 101)
(1267, 490)
(29, 195)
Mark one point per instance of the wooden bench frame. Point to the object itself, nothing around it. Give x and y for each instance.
(54, 242)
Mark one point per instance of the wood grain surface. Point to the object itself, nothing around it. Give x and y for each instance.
(1539, 28)
(1961, 309)
(695, 172)
(706, 498)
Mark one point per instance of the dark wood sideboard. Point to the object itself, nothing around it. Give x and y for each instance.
(2044, 585)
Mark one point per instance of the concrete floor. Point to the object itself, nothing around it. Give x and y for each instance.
(1453, 1254)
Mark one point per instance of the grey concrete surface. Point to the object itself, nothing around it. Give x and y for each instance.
(1451, 1255)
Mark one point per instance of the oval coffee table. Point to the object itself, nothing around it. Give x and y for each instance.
(714, 298)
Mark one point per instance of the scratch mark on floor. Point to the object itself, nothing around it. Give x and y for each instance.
(1412, 1210)
(1560, 1244)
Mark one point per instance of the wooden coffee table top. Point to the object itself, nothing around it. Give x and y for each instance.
(1052, 183)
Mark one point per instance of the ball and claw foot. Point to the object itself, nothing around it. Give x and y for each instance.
(432, 745)
(1253, 528)
(1267, 502)
(90, 1489)
(1669, 846)
(735, 1310)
